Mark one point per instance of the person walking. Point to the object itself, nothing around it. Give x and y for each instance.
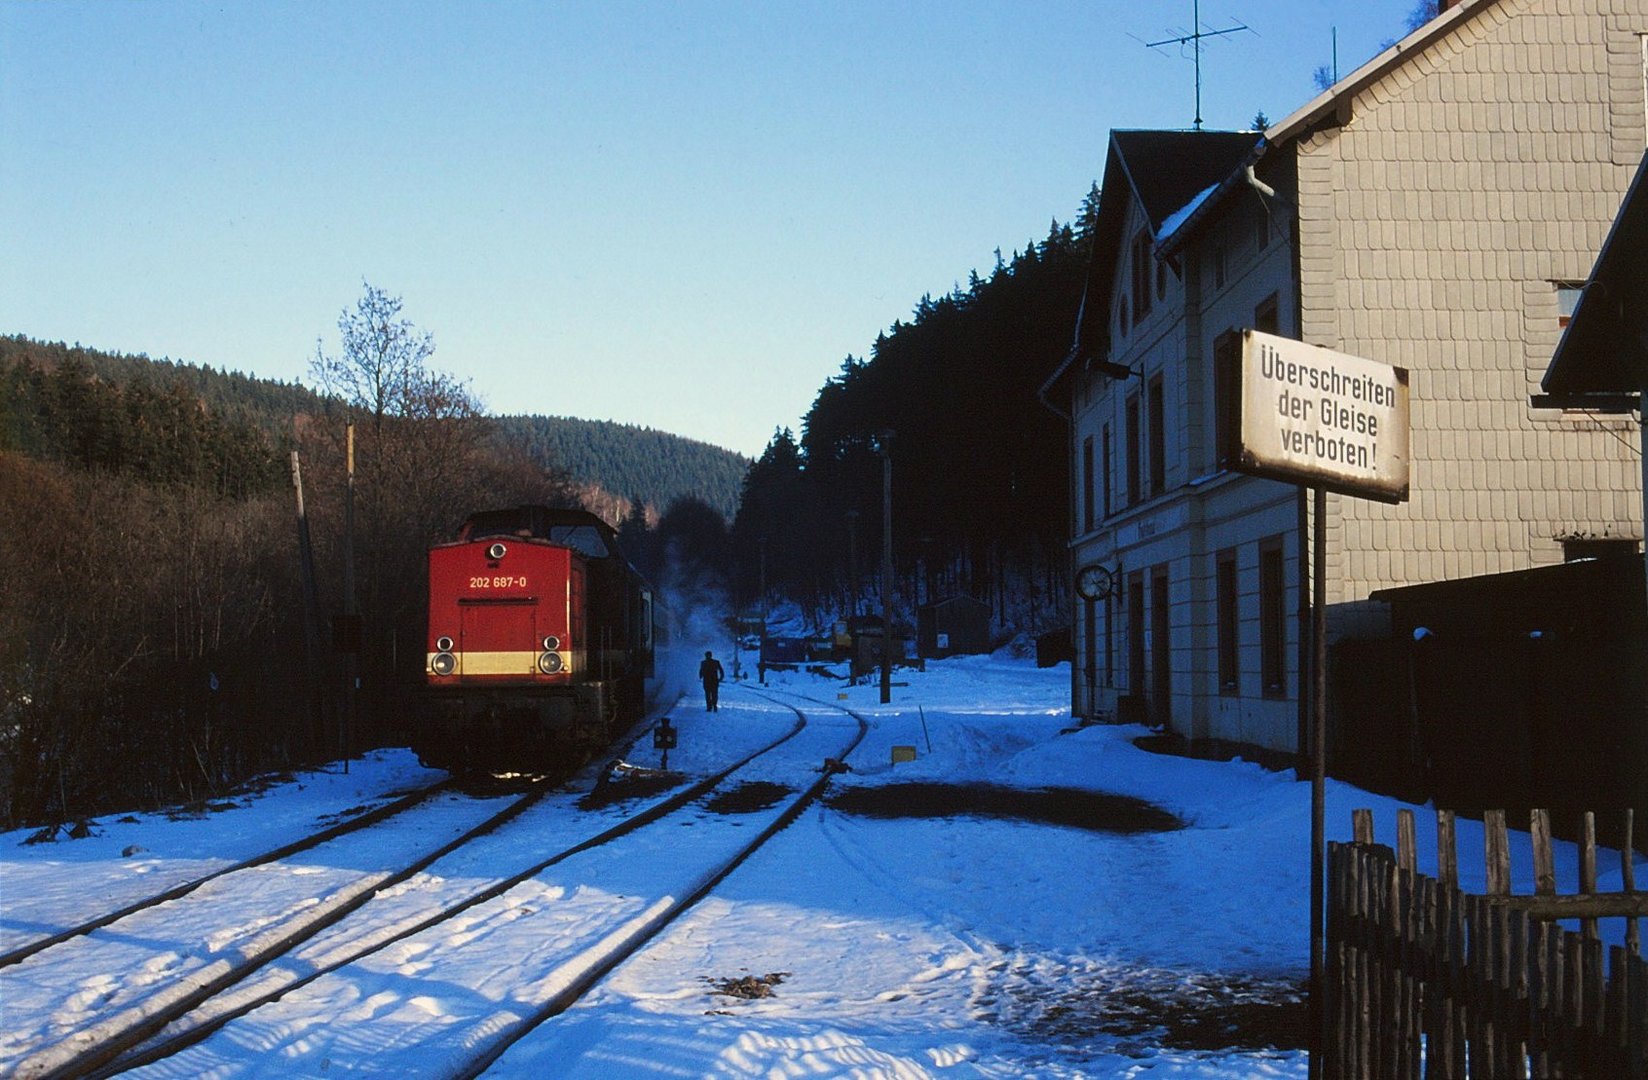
(711, 673)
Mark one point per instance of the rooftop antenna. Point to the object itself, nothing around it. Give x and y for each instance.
(1194, 40)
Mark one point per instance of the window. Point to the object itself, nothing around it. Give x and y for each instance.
(1161, 647)
(1107, 465)
(1158, 437)
(1265, 318)
(1567, 298)
(1229, 645)
(1090, 651)
(1087, 484)
(584, 539)
(1135, 634)
(1141, 275)
(1111, 614)
(1133, 448)
(1272, 620)
(1227, 398)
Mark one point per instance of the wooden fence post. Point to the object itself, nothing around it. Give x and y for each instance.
(1628, 876)
(1539, 831)
(1497, 843)
(1447, 850)
(1588, 870)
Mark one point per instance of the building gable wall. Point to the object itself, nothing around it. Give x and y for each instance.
(1435, 228)
(1428, 225)
(1199, 512)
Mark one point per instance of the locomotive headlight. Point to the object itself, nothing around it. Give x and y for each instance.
(496, 551)
(443, 663)
(444, 644)
(551, 643)
(549, 663)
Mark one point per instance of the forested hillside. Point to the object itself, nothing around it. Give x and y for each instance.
(615, 464)
(979, 466)
(632, 462)
(270, 403)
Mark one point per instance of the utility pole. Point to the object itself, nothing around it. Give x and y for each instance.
(1317, 1018)
(761, 657)
(852, 562)
(886, 567)
(311, 605)
(351, 616)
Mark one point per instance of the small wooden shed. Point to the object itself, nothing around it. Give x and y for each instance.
(953, 626)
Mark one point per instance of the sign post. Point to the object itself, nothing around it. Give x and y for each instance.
(1331, 422)
(663, 738)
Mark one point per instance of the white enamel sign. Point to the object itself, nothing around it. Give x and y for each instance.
(1321, 418)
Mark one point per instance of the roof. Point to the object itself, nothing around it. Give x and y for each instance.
(1167, 169)
(1161, 171)
(1585, 596)
(1605, 348)
(1181, 178)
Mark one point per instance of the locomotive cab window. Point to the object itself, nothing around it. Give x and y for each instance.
(574, 529)
(584, 539)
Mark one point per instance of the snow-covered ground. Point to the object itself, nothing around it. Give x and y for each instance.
(864, 946)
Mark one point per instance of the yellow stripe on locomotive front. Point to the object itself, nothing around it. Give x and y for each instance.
(495, 663)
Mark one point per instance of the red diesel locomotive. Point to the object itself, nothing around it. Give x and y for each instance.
(541, 639)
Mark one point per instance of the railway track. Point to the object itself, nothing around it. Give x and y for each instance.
(574, 976)
(145, 987)
(142, 993)
(22, 952)
(574, 915)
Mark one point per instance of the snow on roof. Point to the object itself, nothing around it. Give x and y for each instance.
(1171, 223)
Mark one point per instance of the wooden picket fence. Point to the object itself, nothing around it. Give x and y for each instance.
(1425, 981)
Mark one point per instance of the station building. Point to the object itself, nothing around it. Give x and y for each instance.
(1437, 210)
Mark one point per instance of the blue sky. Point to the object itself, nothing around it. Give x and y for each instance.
(680, 215)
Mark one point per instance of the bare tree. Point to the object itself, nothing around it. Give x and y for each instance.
(381, 370)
